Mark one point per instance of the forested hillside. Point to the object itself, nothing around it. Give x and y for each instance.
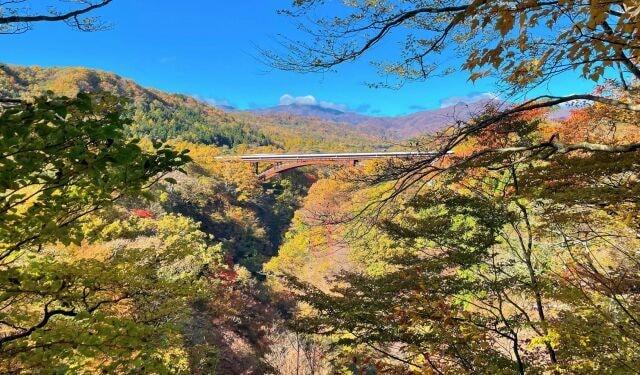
(153, 277)
(293, 274)
(164, 116)
(212, 223)
(511, 247)
(540, 257)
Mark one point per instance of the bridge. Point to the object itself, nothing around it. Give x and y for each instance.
(280, 163)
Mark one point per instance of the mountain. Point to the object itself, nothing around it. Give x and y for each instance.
(165, 116)
(396, 128)
(294, 127)
(424, 122)
(562, 113)
(308, 110)
(156, 114)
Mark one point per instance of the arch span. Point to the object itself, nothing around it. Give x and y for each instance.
(279, 168)
(281, 163)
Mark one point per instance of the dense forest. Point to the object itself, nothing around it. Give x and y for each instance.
(126, 246)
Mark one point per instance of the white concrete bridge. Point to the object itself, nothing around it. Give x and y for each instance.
(281, 163)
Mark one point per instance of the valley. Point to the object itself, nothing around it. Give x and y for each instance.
(405, 187)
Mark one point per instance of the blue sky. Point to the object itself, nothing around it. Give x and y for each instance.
(208, 48)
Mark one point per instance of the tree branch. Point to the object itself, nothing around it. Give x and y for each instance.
(633, 68)
(53, 18)
(10, 101)
(45, 319)
(561, 148)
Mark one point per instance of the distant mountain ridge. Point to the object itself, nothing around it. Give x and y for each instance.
(398, 127)
(163, 115)
(309, 110)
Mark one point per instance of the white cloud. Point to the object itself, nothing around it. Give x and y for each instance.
(473, 97)
(212, 101)
(288, 99)
(339, 107)
(217, 102)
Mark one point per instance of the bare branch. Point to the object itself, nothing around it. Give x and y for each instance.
(20, 23)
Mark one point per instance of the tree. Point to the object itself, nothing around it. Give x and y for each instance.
(522, 44)
(509, 264)
(62, 160)
(492, 280)
(17, 17)
(121, 303)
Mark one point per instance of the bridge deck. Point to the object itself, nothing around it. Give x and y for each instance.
(319, 157)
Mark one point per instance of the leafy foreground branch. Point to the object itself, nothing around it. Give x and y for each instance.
(81, 292)
(62, 159)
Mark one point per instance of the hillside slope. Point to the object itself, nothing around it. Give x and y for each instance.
(166, 116)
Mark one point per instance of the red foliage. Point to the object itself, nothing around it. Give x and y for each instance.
(227, 274)
(142, 213)
(501, 133)
(576, 127)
